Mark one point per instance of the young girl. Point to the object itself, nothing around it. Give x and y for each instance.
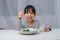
(29, 14)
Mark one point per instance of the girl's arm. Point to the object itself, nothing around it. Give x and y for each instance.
(19, 24)
(20, 15)
(44, 27)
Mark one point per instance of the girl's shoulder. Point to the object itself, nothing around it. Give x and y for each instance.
(40, 22)
(37, 21)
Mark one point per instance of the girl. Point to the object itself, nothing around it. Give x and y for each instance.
(29, 14)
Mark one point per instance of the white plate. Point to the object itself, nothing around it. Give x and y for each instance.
(31, 31)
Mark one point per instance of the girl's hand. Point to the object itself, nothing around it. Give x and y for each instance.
(47, 29)
(20, 14)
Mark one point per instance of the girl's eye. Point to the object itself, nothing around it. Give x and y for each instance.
(31, 13)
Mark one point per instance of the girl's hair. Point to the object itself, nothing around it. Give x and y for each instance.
(27, 9)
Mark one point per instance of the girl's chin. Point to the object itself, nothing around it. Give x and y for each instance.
(29, 20)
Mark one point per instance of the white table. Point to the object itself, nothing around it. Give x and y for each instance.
(14, 35)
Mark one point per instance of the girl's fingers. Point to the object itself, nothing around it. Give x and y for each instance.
(20, 14)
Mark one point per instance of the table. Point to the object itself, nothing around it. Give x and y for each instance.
(15, 35)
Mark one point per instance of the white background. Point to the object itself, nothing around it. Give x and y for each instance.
(48, 11)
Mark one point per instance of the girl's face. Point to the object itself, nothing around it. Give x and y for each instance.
(29, 15)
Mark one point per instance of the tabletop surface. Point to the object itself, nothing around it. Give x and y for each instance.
(15, 35)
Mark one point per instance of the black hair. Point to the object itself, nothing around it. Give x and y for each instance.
(27, 8)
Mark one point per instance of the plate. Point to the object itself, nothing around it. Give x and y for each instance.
(29, 31)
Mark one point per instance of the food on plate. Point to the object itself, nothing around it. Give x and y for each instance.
(26, 30)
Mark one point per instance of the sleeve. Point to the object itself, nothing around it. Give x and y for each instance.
(43, 25)
(19, 24)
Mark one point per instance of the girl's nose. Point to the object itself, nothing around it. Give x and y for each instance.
(29, 14)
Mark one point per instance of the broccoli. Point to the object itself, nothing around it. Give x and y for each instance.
(27, 30)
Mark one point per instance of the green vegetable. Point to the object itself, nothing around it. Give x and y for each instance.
(26, 30)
